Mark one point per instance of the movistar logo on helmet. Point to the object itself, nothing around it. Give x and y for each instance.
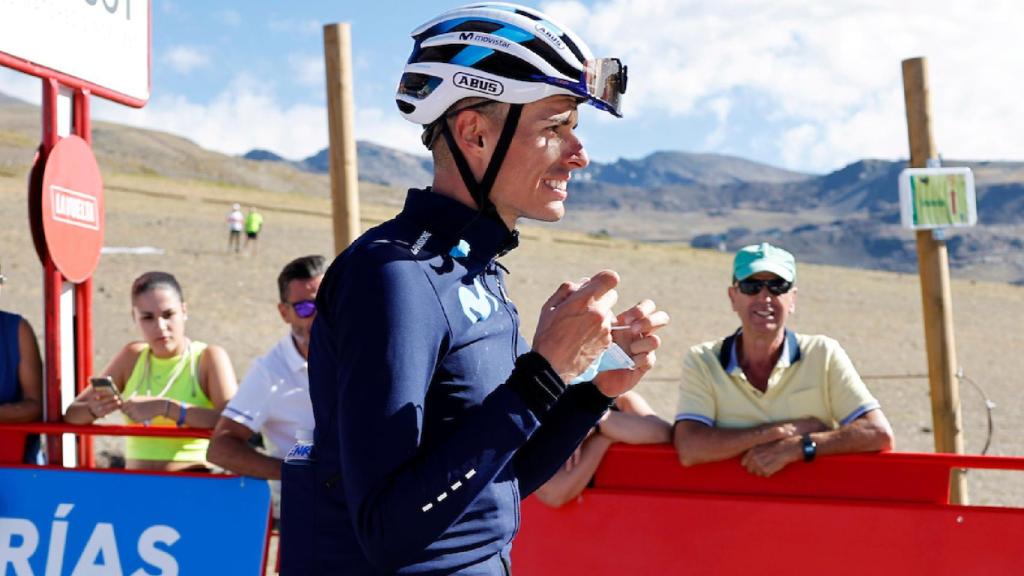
(484, 39)
(478, 84)
(550, 35)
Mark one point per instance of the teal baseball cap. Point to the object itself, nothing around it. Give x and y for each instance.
(763, 257)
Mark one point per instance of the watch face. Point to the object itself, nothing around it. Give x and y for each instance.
(810, 448)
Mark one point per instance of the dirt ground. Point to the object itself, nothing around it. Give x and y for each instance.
(231, 298)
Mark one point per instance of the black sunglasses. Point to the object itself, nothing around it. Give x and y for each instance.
(304, 308)
(776, 286)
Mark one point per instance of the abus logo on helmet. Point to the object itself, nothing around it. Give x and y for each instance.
(550, 36)
(478, 84)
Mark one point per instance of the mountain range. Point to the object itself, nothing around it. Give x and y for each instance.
(847, 217)
(681, 181)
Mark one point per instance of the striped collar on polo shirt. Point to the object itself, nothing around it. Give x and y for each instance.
(730, 361)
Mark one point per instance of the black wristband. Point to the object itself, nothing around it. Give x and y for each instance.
(810, 448)
(536, 382)
(591, 398)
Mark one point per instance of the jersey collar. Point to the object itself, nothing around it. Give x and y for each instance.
(451, 221)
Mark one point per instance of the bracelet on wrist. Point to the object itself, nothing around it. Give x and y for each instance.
(91, 413)
(182, 411)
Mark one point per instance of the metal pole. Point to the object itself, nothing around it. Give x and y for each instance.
(83, 296)
(933, 266)
(52, 281)
(341, 120)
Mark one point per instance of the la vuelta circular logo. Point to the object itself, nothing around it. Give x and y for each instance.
(72, 208)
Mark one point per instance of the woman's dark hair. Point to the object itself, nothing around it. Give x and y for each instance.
(153, 280)
(304, 268)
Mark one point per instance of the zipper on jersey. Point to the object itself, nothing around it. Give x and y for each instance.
(507, 304)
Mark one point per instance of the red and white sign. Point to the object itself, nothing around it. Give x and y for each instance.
(73, 208)
(99, 45)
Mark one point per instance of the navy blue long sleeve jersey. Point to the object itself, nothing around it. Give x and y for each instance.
(423, 445)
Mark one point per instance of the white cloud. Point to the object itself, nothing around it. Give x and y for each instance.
(833, 67)
(247, 115)
(799, 143)
(720, 107)
(388, 128)
(307, 70)
(184, 59)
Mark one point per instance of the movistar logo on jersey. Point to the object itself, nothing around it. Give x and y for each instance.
(478, 84)
(477, 304)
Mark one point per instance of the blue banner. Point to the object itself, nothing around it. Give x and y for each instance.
(77, 523)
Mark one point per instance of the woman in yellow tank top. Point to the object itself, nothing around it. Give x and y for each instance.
(168, 380)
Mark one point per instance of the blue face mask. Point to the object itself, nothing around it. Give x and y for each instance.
(614, 358)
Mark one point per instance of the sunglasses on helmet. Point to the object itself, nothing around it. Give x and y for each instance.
(304, 308)
(776, 286)
(602, 83)
(606, 82)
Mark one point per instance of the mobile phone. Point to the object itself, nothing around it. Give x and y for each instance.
(101, 382)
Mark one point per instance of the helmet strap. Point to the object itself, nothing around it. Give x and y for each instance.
(481, 191)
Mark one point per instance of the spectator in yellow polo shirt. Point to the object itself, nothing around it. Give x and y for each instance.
(766, 393)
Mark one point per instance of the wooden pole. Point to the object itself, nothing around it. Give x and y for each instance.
(933, 266)
(341, 120)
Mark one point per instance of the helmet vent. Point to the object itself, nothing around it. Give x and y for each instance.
(548, 53)
(417, 85)
(502, 64)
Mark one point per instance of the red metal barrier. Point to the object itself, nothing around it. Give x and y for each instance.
(888, 513)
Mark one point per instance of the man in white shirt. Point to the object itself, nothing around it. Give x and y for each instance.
(273, 399)
(235, 221)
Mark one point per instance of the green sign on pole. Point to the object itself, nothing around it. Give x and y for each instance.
(937, 198)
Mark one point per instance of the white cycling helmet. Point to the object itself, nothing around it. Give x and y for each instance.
(502, 52)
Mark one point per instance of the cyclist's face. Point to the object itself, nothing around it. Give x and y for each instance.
(543, 153)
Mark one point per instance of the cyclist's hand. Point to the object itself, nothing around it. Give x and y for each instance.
(575, 324)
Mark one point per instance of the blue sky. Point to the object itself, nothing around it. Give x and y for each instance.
(809, 86)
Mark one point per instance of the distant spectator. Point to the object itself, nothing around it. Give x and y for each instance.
(631, 421)
(236, 221)
(253, 225)
(273, 399)
(21, 383)
(766, 393)
(168, 380)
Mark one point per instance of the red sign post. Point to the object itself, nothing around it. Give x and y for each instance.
(78, 49)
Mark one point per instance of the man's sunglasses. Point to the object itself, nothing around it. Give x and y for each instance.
(776, 286)
(304, 308)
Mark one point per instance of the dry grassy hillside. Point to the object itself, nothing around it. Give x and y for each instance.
(875, 315)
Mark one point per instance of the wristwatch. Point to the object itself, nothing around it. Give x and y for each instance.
(810, 448)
